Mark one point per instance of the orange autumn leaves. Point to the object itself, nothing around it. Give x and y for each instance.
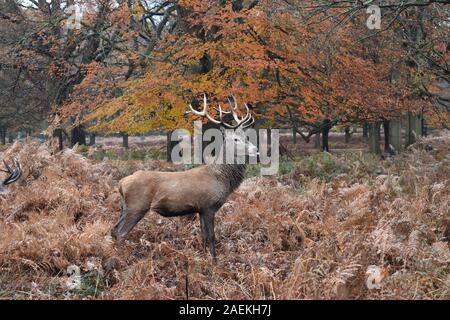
(223, 52)
(264, 55)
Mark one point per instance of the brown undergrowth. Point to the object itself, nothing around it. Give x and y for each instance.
(274, 241)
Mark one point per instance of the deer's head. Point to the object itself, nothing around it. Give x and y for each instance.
(233, 127)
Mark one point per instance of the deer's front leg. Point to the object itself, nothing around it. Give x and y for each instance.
(207, 224)
(129, 217)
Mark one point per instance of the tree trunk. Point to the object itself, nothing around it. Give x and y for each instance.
(386, 135)
(125, 140)
(10, 138)
(395, 134)
(418, 124)
(58, 133)
(424, 127)
(294, 135)
(365, 130)
(317, 141)
(409, 138)
(3, 135)
(78, 135)
(374, 138)
(347, 134)
(413, 128)
(92, 138)
(325, 131)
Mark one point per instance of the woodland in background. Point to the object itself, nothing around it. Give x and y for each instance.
(131, 67)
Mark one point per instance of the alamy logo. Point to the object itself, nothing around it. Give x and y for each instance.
(374, 20)
(75, 14)
(73, 282)
(227, 146)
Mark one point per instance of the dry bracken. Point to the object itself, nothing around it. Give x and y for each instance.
(274, 242)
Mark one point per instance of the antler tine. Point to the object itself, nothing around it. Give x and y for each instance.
(249, 122)
(248, 119)
(8, 168)
(14, 174)
(18, 165)
(198, 113)
(233, 109)
(204, 112)
(238, 120)
(222, 111)
(235, 103)
(248, 115)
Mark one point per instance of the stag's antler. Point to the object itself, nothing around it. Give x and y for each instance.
(14, 175)
(243, 122)
(204, 112)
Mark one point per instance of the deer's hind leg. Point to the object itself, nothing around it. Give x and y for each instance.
(203, 230)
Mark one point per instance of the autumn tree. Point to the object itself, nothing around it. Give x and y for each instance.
(23, 99)
(65, 48)
(222, 48)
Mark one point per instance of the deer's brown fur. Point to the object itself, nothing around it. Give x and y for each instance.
(200, 190)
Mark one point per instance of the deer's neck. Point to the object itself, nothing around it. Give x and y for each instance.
(231, 175)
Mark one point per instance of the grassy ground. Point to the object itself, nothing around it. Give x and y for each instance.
(315, 231)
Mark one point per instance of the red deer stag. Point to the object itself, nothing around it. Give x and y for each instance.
(201, 190)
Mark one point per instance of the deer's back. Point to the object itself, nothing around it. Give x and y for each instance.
(174, 193)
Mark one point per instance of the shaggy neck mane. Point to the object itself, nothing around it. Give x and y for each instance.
(231, 175)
